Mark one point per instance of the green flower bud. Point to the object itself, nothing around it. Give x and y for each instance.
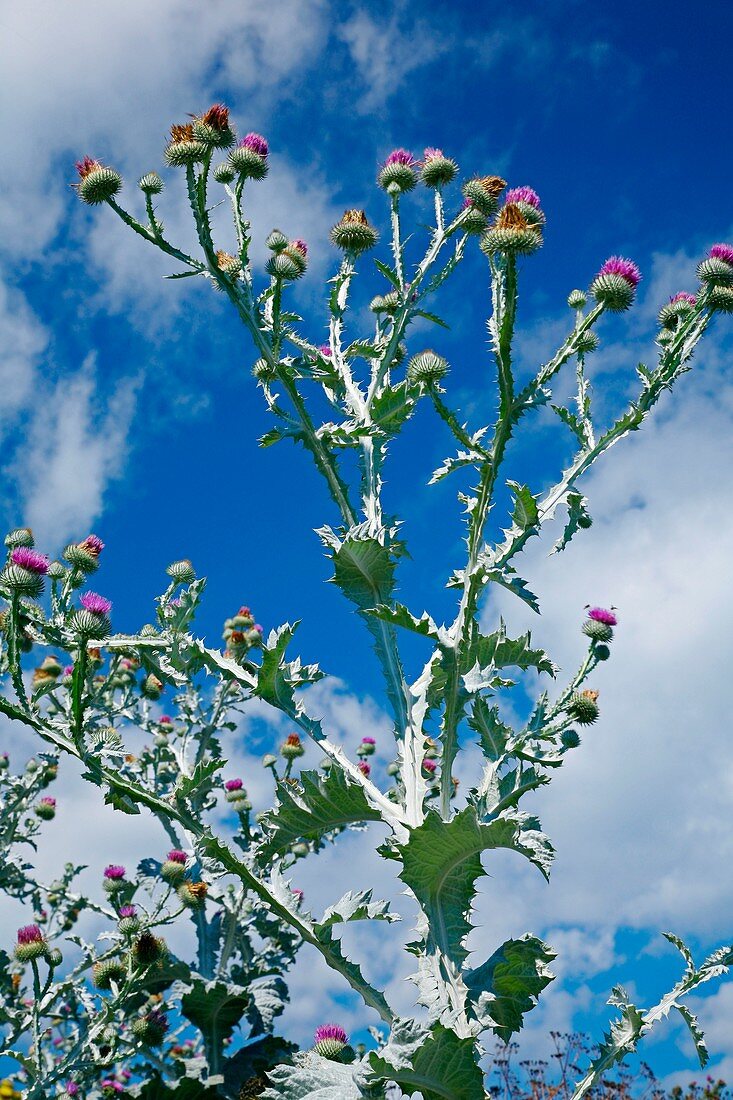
(277, 241)
(24, 582)
(576, 299)
(283, 266)
(484, 192)
(55, 958)
(473, 220)
(438, 170)
(148, 949)
(602, 652)
(21, 536)
(248, 163)
(570, 739)
(107, 971)
(587, 342)
(427, 367)
(97, 183)
(354, 233)
(721, 299)
(612, 291)
(715, 272)
(193, 894)
(598, 632)
(397, 177)
(583, 707)
(150, 184)
(224, 173)
(57, 571)
(181, 571)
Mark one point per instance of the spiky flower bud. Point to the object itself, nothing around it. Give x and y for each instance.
(129, 921)
(150, 1029)
(387, 303)
(107, 971)
(150, 183)
(596, 631)
(182, 572)
(21, 536)
(570, 739)
(721, 299)
(602, 652)
(484, 192)
(92, 621)
(398, 172)
(284, 266)
(354, 233)
(45, 808)
(97, 183)
(437, 169)
(576, 299)
(193, 894)
(85, 555)
(224, 172)
(678, 307)
(292, 748)
(249, 158)
(230, 265)
(511, 233)
(184, 148)
(148, 949)
(31, 944)
(583, 707)
(152, 687)
(587, 342)
(427, 367)
(393, 768)
(329, 1040)
(367, 747)
(473, 220)
(213, 128)
(277, 241)
(269, 761)
(615, 284)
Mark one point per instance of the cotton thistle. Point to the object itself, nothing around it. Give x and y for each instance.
(213, 128)
(472, 218)
(152, 687)
(184, 147)
(97, 183)
(615, 284)
(45, 808)
(365, 768)
(92, 621)
(193, 894)
(427, 368)
(236, 794)
(289, 263)
(599, 624)
(113, 878)
(24, 572)
(292, 747)
(484, 192)
(437, 169)
(329, 1040)
(85, 555)
(182, 572)
(398, 173)
(150, 183)
(367, 747)
(129, 921)
(527, 201)
(353, 233)
(105, 972)
(583, 707)
(717, 268)
(31, 944)
(151, 1028)
(230, 265)
(173, 868)
(511, 233)
(148, 949)
(20, 536)
(676, 309)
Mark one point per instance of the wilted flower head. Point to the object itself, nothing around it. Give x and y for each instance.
(177, 856)
(627, 269)
(114, 871)
(330, 1031)
(603, 615)
(523, 194)
(722, 252)
(256, 143)
(98, 605)
(233, 785)
(217, 117)
(182, 132)
(401, 156)
(30, 560)
(93, 545)
(85, 166)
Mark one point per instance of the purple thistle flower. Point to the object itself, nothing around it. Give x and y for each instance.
(300, 245)
(401, 156)
(603, 615)
(69, 670)
(723, 252)
(47, 800)
(330, 1031)
(258, 628)
(110, 1083)
(72, 1089)
(30, 559)
(683, 296)
(98, 605)
(523, 194)
(466, 203)
(364, 768)
(627, 269)
(158, 1019)
(93, 544)
(114, 871)
(165, 720)
(299, 894)
(368, 741)
(233, 785)
(325, 349)
(256, 143)
(128, 911)
(177, 856)
(30, 933)
(431, 153)
(429, 765)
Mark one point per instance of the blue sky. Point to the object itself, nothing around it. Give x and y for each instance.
(129, 407)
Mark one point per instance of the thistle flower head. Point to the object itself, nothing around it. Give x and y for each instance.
(401, 156)
(177, 856)
(217, 117)
(722, 252)
(300, 246)
(47, 800)
(368, 741)
(429, 765)
(95, 603)
(627, 269)
(30, 933)
(114, 872)
(85, 166)
(330, 1031)
(233, 785)
(364, 768)
(256, 143)
(30, 560)
(431, 153)
(127, 911)
(523, 194)
(325, 350)
(72, 1089)
(684, 296)
(603, 615)
(93, 545)
(165, 720)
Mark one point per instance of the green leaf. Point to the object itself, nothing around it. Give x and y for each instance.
(578, 516)
(215, 1008)
(388, 274)
(315, 805)
(253, 1060)
(498, 651)
(312, 1077)
(398, 615)
(432, 317)
(15, 713)
(572, 422)
(269, 997)
(696, 1032)
(525, 513)
(508, 985)
(364, 568)
(435, 1063)
(187, 785)
(442, 861)
(494, 735)
(392, 406)
(508, 578)
(356, 905)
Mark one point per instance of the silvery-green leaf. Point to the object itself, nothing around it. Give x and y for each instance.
(435, 1063)
(214, 1007)
(578, 516)
(508, 985)
(696, 1032)
(357, 905)
(312, 1077)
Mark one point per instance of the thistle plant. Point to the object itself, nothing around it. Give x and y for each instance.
(343, 401)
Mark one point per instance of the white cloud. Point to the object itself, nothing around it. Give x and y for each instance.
(23, 339)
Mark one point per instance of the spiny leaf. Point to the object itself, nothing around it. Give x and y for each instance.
(312, 1077)
(525, 513)
(509, 579)
(696, 1032)
(508, 984)
(435, 1063)
(215, 1008)
(494, 735)
(356, 905)
(392, 406)
(432, 317)
(398, 615)
(578, 516)
(388, 273)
